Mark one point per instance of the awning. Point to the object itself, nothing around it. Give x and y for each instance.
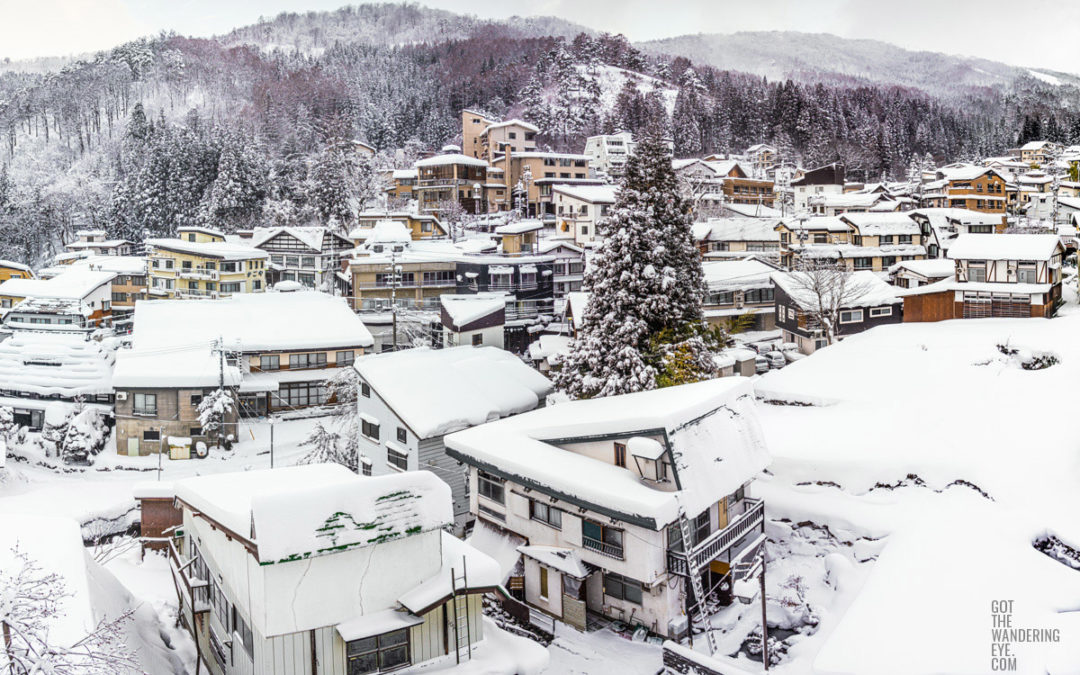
(369, 418)
(527, 269)
(500, 269)
(376, 623)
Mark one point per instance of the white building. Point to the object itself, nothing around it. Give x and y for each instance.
(608, 153)
(313, 570)
(91, 288)
(568, 267)
(409, 400)
(98, 243)
(579, 207)
(308, 255)
(473, 320)
(601, 490)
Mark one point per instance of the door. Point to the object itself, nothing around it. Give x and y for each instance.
(721, 514)
(133, 447)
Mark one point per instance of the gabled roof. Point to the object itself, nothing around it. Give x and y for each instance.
(594, 194)
(452, 158)
(1004, 247)
(512, 123)
(73, 284)
(877, 224)
(61, 364)
(311, 236)
(439, 391)
(732, 274)
(463, 310)
(874, 291)
(737, 229)
(709, 428)
(209, 249)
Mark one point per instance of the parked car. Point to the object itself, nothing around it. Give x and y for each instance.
(761, 365)
(776, 359)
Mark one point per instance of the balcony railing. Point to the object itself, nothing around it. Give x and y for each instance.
(610, 550)
(719, 541)
(415, 283)
(195, 293)
(198, 273)
(192, 590)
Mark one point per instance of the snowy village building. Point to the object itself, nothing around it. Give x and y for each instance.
(474, 320)
(578, 208)
(599, 492)
(411, 399)
(874, 303)
(9, 269)
(976, 188)
(451, 178)
(313, 570)
(608, 153)
(995, 275)
(825, 180)
(861, 241)
(941, 226)
(739, 292)
(735, 237)
(310, 256)
(87, 293)
(277, 350)
(200, 263)
(96, 242)
(128, 286)
(420, 225)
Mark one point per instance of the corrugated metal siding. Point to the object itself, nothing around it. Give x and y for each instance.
(432, 453)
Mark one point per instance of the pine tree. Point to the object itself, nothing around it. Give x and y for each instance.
(645, 286)
(326, 449)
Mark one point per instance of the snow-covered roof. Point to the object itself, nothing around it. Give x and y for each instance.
(871, 291)
(75, 284)
(465, 309)
(877, 224)
(959, 216)
(403, 174)
(849, 251)
(711, 432)
(931, 268)
(120, 264)
(251, 322)
(594, 194)
(970, 172)
(209, 249)
(733, 274)
(388, 232)
(577, 301)
(194, 366)
(753, 210)
(848, 199)
(1004, 246)
(56, 364)
(951, 284)
(531, 154)
(15, 265)
(60, 306)
(515, 123)
(483, 573)
(564, 560)
(737, 229)
(448, 159)
(439, 391)
(310, 236)
(520, 227)
(817, 223)
(548, 345)
(1034, 145)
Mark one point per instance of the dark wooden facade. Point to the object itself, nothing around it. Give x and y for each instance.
(158, 520)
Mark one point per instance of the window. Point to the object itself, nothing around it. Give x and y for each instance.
(821, 239)
(145, 404)
(219, 603)
(195, 431)
(231, 287)
(981, 229)
(269, 362)
(401, 435)
(307, 261)
(602, 538)
(864, 263)
(1027, 273)
(620, 455)
(301, 361)
(196, 399)
(477, 339)
(622, 588)
(379, 653)
(438, 277)
(151, 435)
(396, 458)
(758, 295)
(301, 394)
(490, 487)
(365, 390)
(243, 631)
(119, 297)
(545, 513)
(345, 358)
(977, 271)
(231, 266)
(880, 311)
(543, 582)
(904, 238)
(701, 527)
(851, 316)
(369, 429)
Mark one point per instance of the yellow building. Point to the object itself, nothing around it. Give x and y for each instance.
(199, 263)
(13, 270)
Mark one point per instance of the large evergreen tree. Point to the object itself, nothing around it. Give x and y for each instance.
(642, 327)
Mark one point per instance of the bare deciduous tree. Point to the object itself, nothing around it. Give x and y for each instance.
(30, 601)
(825, 287)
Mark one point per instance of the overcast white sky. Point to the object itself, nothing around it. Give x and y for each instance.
(983, 28)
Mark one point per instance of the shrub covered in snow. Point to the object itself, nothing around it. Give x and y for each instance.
(84, 436)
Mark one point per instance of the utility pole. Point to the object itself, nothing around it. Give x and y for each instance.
(393, 291)
(764, 625)
(271, 442)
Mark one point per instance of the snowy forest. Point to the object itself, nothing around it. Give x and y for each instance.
(255, 127)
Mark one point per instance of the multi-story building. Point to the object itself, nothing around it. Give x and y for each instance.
(866, 301)
(10, 269)
(89, 290)
(411, 399)
(451, 178)
(313, 570)
(275, 351)
(941, 226)
(825, 180)
(513, 135)
(532, 176)
(761, 158)
(1038, 152)
(579, 207)
(996, 275)
(737, 237)
(421, 226)
(96, 242)
(473, 124)
(975, 188)
(608, 153)
(199, 263)
(310, 256)
(740, 294)
(862, 241)
(403, 184)
(626, 509)
(568, 265)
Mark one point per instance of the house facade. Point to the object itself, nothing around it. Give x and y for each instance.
(868, 302)
(861, 241)
(251, 539)
(995, 275)
(199, 263)
(602, 490)
(740, 294)
(578, 208)
(451, 178)
(608, 153)
(410, 400)
(825, 180)
(310, 256)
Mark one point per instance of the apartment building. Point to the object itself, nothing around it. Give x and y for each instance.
(199, 263)
(608, 153)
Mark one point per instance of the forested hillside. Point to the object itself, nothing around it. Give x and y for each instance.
(254, 127)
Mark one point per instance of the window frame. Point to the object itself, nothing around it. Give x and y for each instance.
(142, 410)
(377, 651)
(488, 485)
(851, 312)
(545, 513)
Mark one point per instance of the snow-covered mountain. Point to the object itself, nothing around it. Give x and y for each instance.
(824, 57)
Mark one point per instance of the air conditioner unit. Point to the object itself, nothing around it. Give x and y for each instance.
(121, 396)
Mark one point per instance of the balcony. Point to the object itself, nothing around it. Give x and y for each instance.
(610, 550)
(195, 293)
(198, 273)
(720, 541)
